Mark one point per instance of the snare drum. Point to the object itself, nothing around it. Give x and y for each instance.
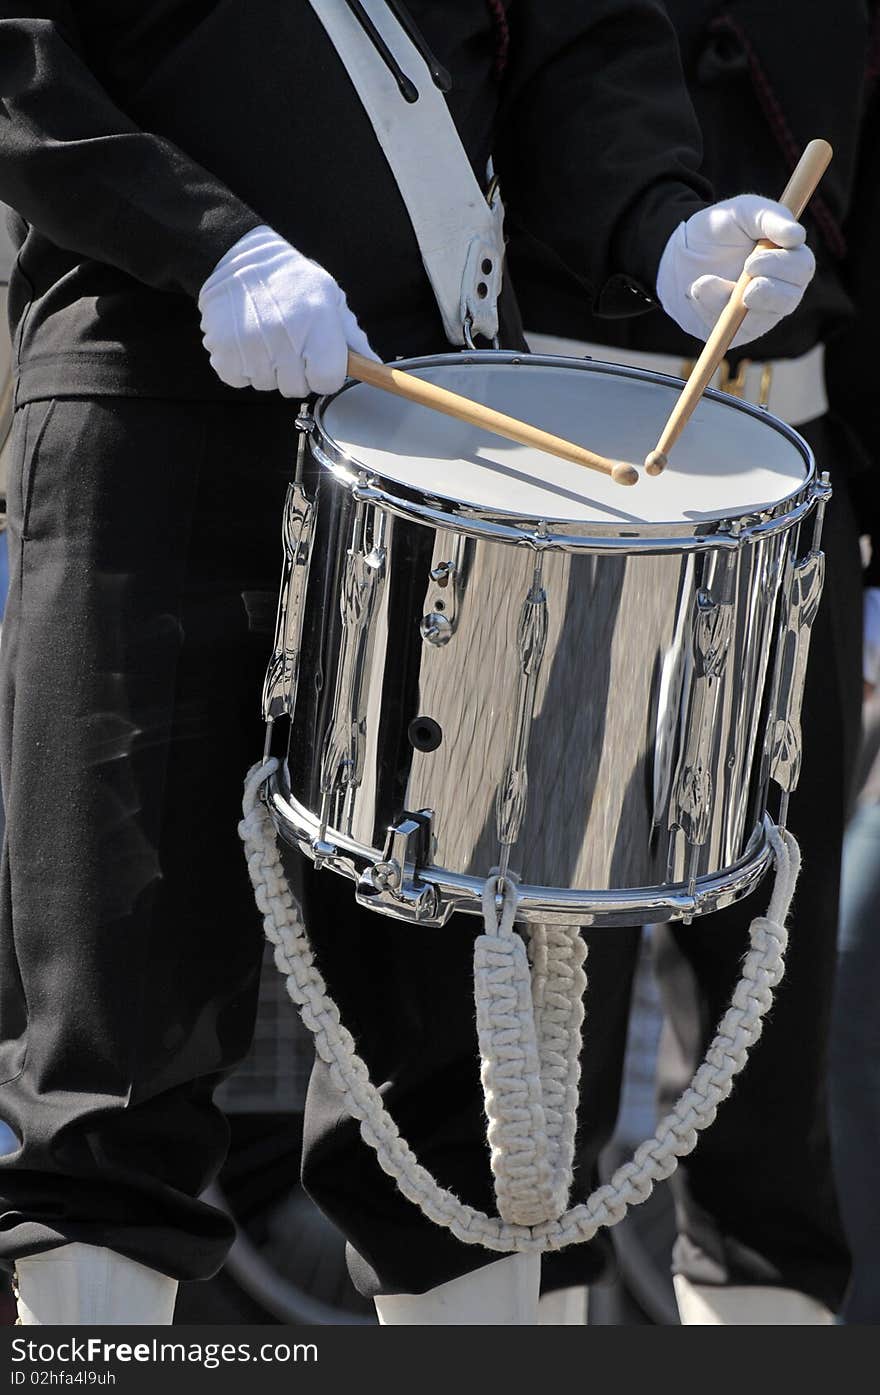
(488, 657)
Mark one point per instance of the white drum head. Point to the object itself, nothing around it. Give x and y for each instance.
(727, 462)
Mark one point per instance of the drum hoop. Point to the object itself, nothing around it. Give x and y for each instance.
(298, 827)
(407, 501)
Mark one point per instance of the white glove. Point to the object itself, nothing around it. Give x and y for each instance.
(871, 641)
(273, 319)
(704, 257)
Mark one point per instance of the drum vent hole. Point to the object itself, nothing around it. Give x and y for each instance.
(486, 268)
(482, 290)
(425, 734)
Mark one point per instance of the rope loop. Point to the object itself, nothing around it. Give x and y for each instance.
(500, 921)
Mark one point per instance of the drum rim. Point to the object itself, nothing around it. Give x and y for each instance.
(408, 501)
(593, 908)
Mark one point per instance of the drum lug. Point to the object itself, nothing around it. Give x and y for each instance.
(342, 755)
(393, 884)
(805, 579)
(804, 591)
(512, 793)
(692, 808)
(279, 687)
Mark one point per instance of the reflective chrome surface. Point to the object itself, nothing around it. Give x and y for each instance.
(804, 580)
(603, 706)
(280, 685)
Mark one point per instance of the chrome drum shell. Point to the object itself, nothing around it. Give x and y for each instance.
(598, 707)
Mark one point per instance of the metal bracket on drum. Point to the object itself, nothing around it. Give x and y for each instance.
(512, 792)
(449, 575)
(692, 805)
(392, 885)
(342, 753)
(803, 591)
(298, 534)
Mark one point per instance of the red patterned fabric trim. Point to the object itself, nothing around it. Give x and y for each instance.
(830, 229)
(873, 71)
(502, 34)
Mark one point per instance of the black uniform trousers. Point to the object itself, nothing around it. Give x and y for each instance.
(145, 556)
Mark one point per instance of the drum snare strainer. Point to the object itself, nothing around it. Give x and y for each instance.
(514, 689)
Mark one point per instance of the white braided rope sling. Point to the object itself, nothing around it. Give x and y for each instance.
(529, 1020)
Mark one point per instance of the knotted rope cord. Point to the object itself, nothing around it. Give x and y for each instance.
(529, 1032)
(559, 983)
(676, 1134)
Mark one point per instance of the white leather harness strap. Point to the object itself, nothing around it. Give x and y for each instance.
(460, 236)
(793, 389)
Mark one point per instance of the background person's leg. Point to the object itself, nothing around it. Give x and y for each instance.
(855, 1062)
(756, 1201)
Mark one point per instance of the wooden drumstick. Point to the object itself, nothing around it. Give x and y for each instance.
(810, 169)
(440, 399)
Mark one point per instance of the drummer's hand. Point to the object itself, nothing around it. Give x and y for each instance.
(272, 319)
(704, 257)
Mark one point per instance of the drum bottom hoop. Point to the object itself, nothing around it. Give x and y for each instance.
(538, 904)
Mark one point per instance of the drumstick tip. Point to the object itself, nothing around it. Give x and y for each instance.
(622, 473)
(656, 462)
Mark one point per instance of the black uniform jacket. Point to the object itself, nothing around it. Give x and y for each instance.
(852, 356)
(765, 76)
(139, 139)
